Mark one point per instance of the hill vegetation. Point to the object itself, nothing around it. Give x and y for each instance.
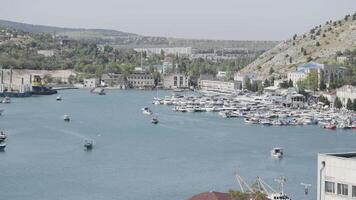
(130, 40)
(322, 43)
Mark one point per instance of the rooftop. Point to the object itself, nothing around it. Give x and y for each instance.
(349, 155)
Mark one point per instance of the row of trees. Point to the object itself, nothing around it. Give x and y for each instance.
(350, 105)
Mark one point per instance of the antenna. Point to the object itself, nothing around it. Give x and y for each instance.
(306, 187)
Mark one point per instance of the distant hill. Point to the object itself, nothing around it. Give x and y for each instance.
(131, 40)
(319, 44)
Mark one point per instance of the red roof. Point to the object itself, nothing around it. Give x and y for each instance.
(211, 196)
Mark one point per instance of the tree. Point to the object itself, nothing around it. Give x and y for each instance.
(349, 105)
(317, 44)
(354, 105)
(271, 70)
(290, 59)
(294, 36)
(324, 100)
(290, 83)
(322, 85)
(337, 103)
(247, 83)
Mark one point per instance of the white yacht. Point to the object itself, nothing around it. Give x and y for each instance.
(66, 118)
(146, 111)
(277, 152)
(6, 100)
(59, 98)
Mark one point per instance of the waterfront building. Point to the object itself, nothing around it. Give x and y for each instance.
(114, 80)
(298, 101)
(336, 176)
(176, 80)
(242, 77)
(140, 79)
(302, 72)
(346, 92)
(219, 86)
(90, 82)
(326, 73)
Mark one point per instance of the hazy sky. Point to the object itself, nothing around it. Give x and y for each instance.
(213, 19)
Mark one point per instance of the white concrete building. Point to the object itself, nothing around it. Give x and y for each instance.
(218, 86)
(337, 176)
(140, 79)
(90, 82)
(46, 53)
(346, 92)
(174, 81)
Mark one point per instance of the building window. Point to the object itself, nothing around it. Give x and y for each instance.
(329, 187)
(181, 80)
(342, 189)
(353, 191)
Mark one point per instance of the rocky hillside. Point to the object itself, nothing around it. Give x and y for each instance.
(320, 44)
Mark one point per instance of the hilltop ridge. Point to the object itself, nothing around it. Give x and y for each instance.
(130, 40)
(320, 44)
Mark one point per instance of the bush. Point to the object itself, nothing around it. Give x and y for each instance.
(337, 103)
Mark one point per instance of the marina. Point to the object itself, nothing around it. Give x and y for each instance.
(183, 154)
(263, 109)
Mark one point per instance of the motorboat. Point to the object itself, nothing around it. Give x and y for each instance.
(146, 111)
(6, 100)
(2, 146)
(102, 92)
(3, 136)
(59, 98)
(277, 152)
(66, 118)
(330, 126)
(154, 120)
(88, 144)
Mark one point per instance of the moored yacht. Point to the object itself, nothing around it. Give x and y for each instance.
(6, 100)
(146, 111)
(277, 152)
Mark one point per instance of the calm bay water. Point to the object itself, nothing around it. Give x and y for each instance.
(185, 154)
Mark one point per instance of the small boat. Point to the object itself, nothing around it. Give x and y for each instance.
(88, 144)
(277, 152)
(2, 146)
(146, 111)
(266, 122)
(59, 98)
(6, 100)
(3, 136)
(66, 118)
(330, 126)
(154, 120)
(102, 92)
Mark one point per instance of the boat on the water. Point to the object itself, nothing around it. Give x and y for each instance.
(6, 100)
(330, 126)
(154, 120)
(2, 146)
(277, 152)
(66, 118)
(146, 111)
(88, 144)
(59, 98)
(3, 136)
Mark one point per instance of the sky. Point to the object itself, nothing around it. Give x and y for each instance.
(200, 19)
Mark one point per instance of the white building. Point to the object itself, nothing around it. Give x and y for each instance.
(303, 71)
(221, 75)
(91, 82)
(174, 81)
(337, 176)
(219, 86)
(140, 79)
(46, 53)
(346, 92)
